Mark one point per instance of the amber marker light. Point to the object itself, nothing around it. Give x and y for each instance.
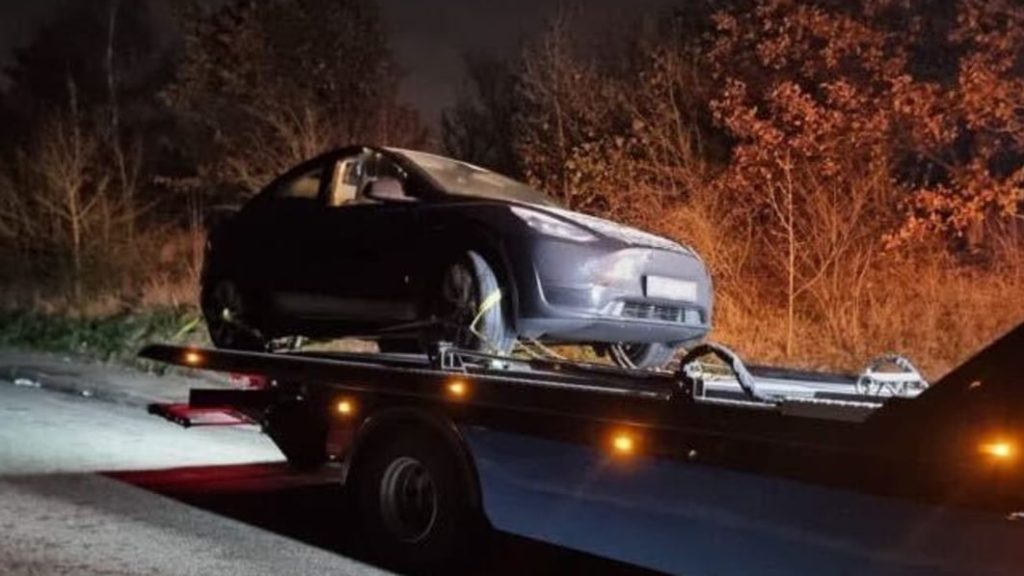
(345, 407)
(458, 388)
(1002, 450)
(193, 358)
(623, 443)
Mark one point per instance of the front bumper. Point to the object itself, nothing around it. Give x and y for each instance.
(595, 292)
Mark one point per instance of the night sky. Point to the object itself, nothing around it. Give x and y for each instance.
(429, 37)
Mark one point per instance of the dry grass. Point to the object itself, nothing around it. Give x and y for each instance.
(922, 303)
(935, 315)
(158, 270)
(926, 306)
(131, 296)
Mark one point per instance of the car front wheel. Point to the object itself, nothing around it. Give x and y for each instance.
(471, 307)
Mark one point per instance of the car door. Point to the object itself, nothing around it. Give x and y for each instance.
(366, 247)
(282, 233)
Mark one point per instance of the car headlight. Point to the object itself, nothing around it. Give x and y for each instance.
(550, 226)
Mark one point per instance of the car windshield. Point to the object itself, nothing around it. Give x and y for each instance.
(465, 179)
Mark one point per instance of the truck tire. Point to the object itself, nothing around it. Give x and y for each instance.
(414, 504)
(299, 433)
(649, 356)
(465, 286)
(227, 317)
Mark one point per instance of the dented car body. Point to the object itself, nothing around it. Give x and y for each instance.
(406, 247)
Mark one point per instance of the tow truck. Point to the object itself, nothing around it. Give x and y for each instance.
(713, 468)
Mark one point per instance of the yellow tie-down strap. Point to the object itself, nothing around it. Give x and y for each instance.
(492, 300)
(489, 302)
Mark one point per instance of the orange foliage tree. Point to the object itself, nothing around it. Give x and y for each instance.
(818, 153)
(809, 96)
(975, 132)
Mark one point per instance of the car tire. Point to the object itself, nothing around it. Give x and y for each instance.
(413, 503)
(227, 317)
(465, 286)
(645, 356)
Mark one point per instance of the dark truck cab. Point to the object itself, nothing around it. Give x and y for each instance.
(694, 472)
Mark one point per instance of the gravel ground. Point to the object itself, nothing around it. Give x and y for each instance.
(92, 379)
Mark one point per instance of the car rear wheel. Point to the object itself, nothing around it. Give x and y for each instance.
(227, 317)
(647, 356)
(472, 307)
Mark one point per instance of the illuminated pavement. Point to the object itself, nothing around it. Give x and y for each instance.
(58, 516)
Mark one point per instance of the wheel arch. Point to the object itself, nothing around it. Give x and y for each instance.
(385, 423)
(478, 238)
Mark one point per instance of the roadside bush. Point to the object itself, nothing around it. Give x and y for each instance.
(115, 337)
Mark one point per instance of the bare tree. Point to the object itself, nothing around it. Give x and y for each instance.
(269, 84)
(478, 128)
(13, 213)
(127, 156)
(65, 156)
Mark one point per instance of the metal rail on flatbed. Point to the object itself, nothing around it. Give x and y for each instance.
(828, 396)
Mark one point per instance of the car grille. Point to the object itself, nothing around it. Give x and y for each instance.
(659, 312)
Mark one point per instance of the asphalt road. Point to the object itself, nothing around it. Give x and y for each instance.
(59, 515)
(93, 487)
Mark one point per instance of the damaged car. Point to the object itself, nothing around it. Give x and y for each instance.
(409, 248)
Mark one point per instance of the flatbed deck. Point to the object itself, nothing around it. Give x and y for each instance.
(688, 452)
(759, 385)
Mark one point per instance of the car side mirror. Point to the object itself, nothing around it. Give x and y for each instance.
(387, 189)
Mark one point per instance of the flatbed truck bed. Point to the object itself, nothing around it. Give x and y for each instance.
(704, 470)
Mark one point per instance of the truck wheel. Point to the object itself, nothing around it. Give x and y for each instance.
(465, 289)
(300, 434)
(413, 503)
(649, 356)
(227, 317)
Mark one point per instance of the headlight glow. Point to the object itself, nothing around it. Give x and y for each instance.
(550, 226)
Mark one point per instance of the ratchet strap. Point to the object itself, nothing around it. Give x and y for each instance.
(489, 302)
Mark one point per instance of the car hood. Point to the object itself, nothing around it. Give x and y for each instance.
(615, 230)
